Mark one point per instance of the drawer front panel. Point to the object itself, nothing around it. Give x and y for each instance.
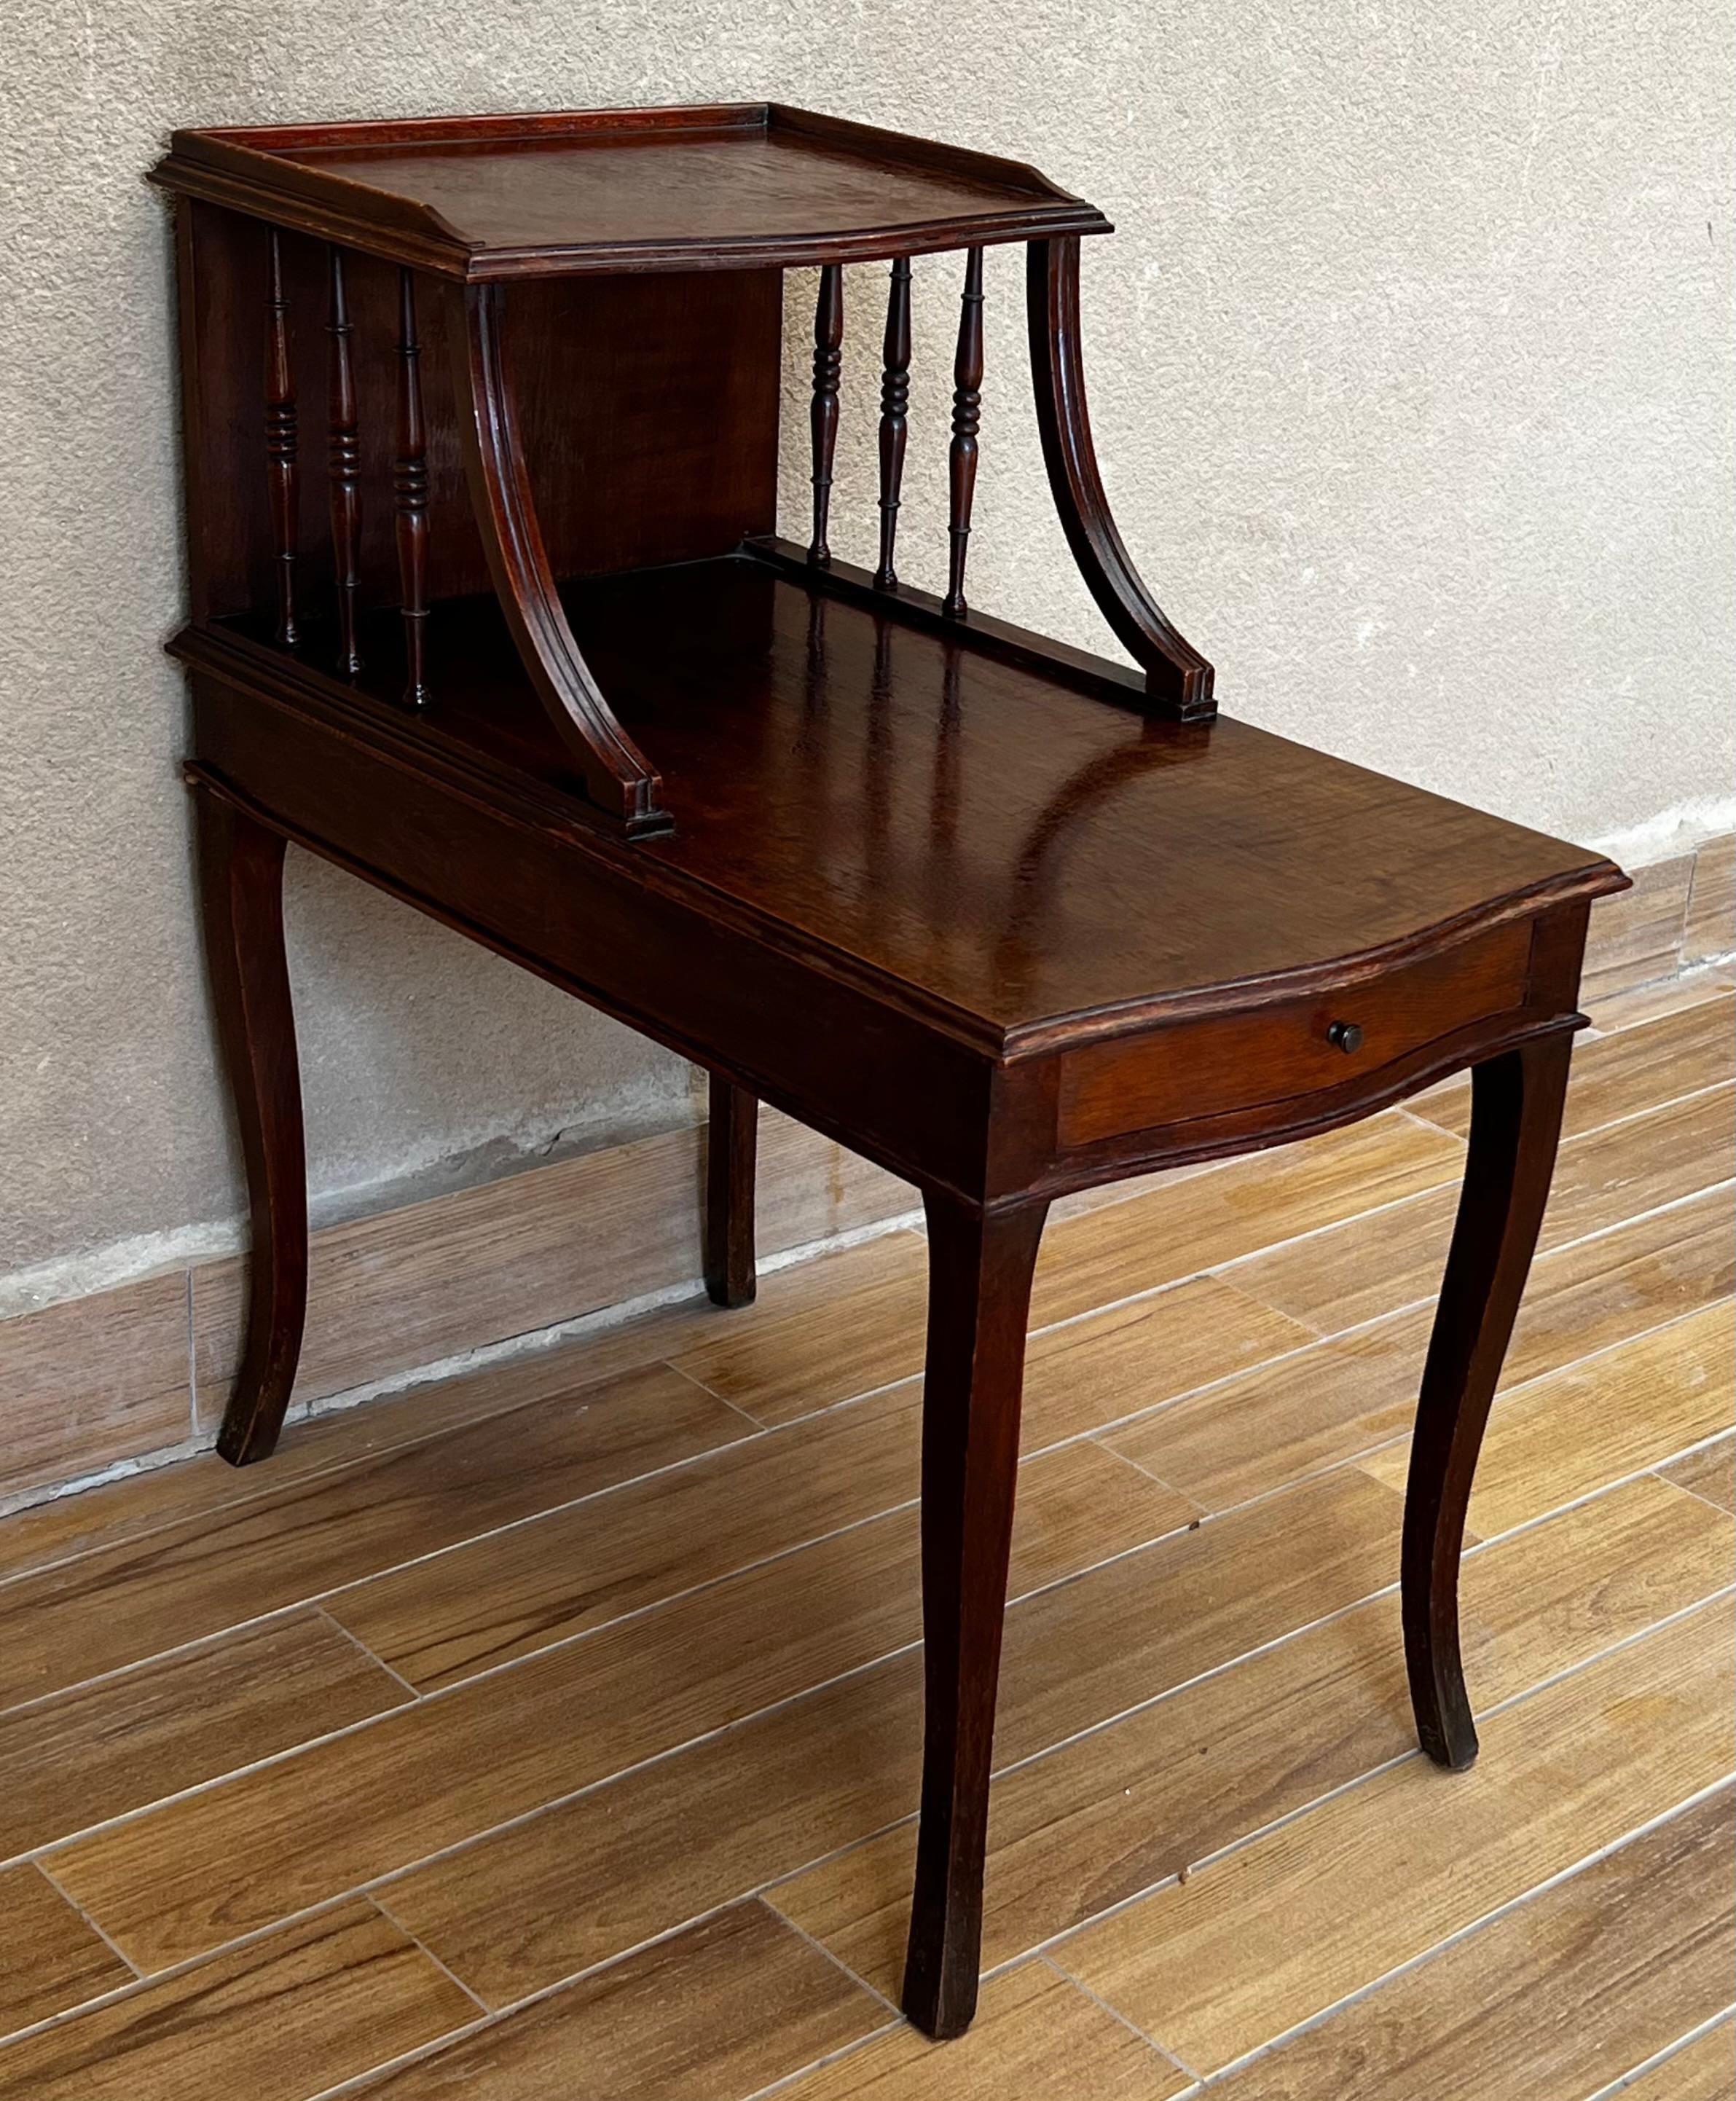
(1201, 1069)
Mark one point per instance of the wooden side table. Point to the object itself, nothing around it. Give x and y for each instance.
(1007, 918)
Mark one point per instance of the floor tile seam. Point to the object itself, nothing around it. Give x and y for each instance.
(422, 1947)
(369, 1889)
(1096, 1433)
(1682, 1807)
(1545, 1255)
(1658, 2059)
(784, 1259)
(65, 1841)
(600, 1321)
(1123, 2020)
(1652, 1107)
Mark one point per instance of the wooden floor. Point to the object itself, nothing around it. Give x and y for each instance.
(555, 1732)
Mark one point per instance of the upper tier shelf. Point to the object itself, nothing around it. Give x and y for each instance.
(736, 186)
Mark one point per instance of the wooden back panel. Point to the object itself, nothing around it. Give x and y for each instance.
(649, 406)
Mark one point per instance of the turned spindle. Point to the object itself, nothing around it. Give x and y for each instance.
(828, 363)
(967, 414)
(410, 494)
(280, 442)
(894, 400)
(345, 471)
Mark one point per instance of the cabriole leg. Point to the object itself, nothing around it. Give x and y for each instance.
(241, 877)
(732, 1140)
(978, 1300)
(1516, 1119)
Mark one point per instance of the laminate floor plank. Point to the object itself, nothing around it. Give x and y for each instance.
(1636, 938)
(1623, 1171)
(283, 2018)
(183, 1879)
(1371, 1266)
(821, 1332)
(1258, 1941)
(1705, 2070)
(1092, 1824)
(99, 1750)
(1578, 1984)
(1265, 1428)
(104, 1516)
(802, 1353)
(1569, 1433)
(1191, 1603)
(1252, 1203)
(50, 1957)
(782, 1357)
(1350, 1393)
(1586, 1299)
(1036, 2036)
(521, 1909)
(182, 1583)
(1622, 1011)
(1615, 1076)
(714, 2014)
(90, 1381)
(1710, 1472)
(531, 1905)
(517, 1590)
(1098, 1369)
(1361, 1270)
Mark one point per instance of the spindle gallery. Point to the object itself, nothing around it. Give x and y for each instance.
(1008, 918)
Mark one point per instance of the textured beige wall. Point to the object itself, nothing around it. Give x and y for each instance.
(1412, 375)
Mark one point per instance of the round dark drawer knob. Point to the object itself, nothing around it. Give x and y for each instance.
(1344, 1036)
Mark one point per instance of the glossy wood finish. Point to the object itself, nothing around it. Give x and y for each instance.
(1516, 1120)
(731, 1146)
(894, 420)
(280, 440)
(1005, 919)
(241, 870)
(1073, 827)
(410, 489)
(616, 775)
(680, 394)
(980, 1267)
(741, 185)
(1299, 1047)
(346, 468)
(967, 416)
(829, 358)
(1177, 677)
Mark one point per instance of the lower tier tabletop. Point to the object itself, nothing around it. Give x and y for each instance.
(1017, 848)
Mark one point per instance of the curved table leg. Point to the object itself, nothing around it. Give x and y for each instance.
(731, 1139)
(1516, 1119)
(979, 1298)
(242, 877)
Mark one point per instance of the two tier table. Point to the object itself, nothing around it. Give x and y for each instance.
(488, 607)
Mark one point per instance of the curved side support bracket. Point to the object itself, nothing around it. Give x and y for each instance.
(617, 777)
(1178, 679)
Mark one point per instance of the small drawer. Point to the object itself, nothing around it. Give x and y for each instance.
(1269, 1054)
